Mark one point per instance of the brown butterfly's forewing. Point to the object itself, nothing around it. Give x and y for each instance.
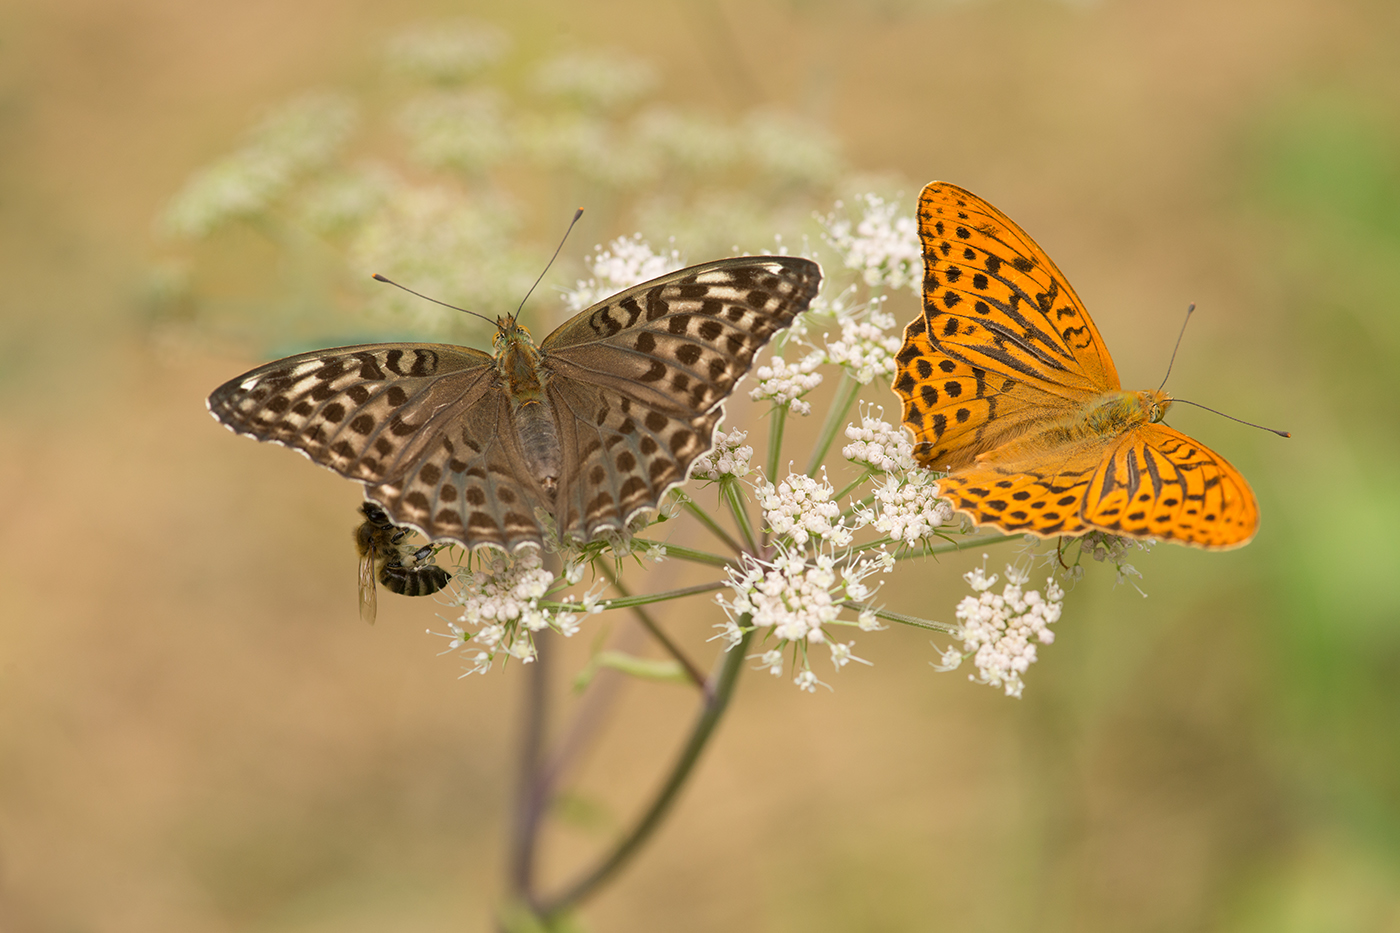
(1007, 386)
(621, 400)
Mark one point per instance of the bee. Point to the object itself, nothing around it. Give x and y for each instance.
(383, 557)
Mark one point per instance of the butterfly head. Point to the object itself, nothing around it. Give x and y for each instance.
(1155, 403)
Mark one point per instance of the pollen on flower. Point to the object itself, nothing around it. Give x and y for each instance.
(785, 385)
(625, 262)
(1000, 631)
(729, 457)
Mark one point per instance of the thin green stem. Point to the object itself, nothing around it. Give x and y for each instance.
(846, 394)
(852, 485)
(734, 499)
(902, 619)
(708, 521)
(949, 547)
(779, 415)
(673, 649)
(711, 711)
(629, 602)
(685, 553)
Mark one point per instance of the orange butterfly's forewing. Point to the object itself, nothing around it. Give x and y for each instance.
(1007, 386)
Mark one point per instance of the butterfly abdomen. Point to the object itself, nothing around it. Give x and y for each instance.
(539, 440)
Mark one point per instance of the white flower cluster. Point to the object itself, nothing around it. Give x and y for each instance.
(464, 130)
(865, 349)
(626, 261)
(794, 596)
(878, 444)
(908, 508)
(1000, 631)
(296, 138)
(501, 601)
(603, 81)
(883, 246)
(801, 508)
(729, 457)
(447, 52)
(785, 385)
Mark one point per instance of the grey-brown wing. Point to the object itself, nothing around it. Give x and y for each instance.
(637, 383)
(472, 485)
(368, 412)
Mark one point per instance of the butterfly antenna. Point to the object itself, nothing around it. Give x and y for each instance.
(577, 214)
(1189, 311)
(1182, 401)
(379, 278)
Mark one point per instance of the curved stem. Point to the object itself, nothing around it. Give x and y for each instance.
(530, 802)
(673, 649)
(724, 681)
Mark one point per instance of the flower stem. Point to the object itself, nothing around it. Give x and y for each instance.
(628, 602)
(685, 553)
(693, 508)
(673, 649)
(779, 415)
(723, 681)
(734, 499)
(530, 805)
(846, 394)
(903, 619)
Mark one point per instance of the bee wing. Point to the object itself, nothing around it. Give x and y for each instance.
(369, 600)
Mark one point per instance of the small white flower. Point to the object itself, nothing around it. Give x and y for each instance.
(625, 262)
(865, 349)
(785, 385)
(907, 507)
(802, 508)
(1000, 631)
(807, 681)
(883, 246)
(729, 457)
(878, 444)
(869, 621)
(501, 598)
(773, 661)
(841, 655)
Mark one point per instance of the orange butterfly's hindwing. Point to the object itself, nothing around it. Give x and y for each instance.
(1006, 386)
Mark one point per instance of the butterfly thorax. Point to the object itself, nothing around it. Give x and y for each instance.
(1114, 413)
(518, 367)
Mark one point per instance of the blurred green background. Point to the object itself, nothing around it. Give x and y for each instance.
(197, 734)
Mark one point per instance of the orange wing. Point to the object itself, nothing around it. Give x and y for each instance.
(1151, 482)
(1003, 343)
(1158, 483)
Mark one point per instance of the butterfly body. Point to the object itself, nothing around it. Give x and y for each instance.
(589, 427)
(1007, 387)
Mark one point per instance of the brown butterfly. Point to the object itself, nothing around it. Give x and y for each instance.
(591, 427)
(1008, 388)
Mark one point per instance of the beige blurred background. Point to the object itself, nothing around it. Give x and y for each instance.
(196, 734)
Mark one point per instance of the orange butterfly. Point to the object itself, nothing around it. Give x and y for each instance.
(1008, 388)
